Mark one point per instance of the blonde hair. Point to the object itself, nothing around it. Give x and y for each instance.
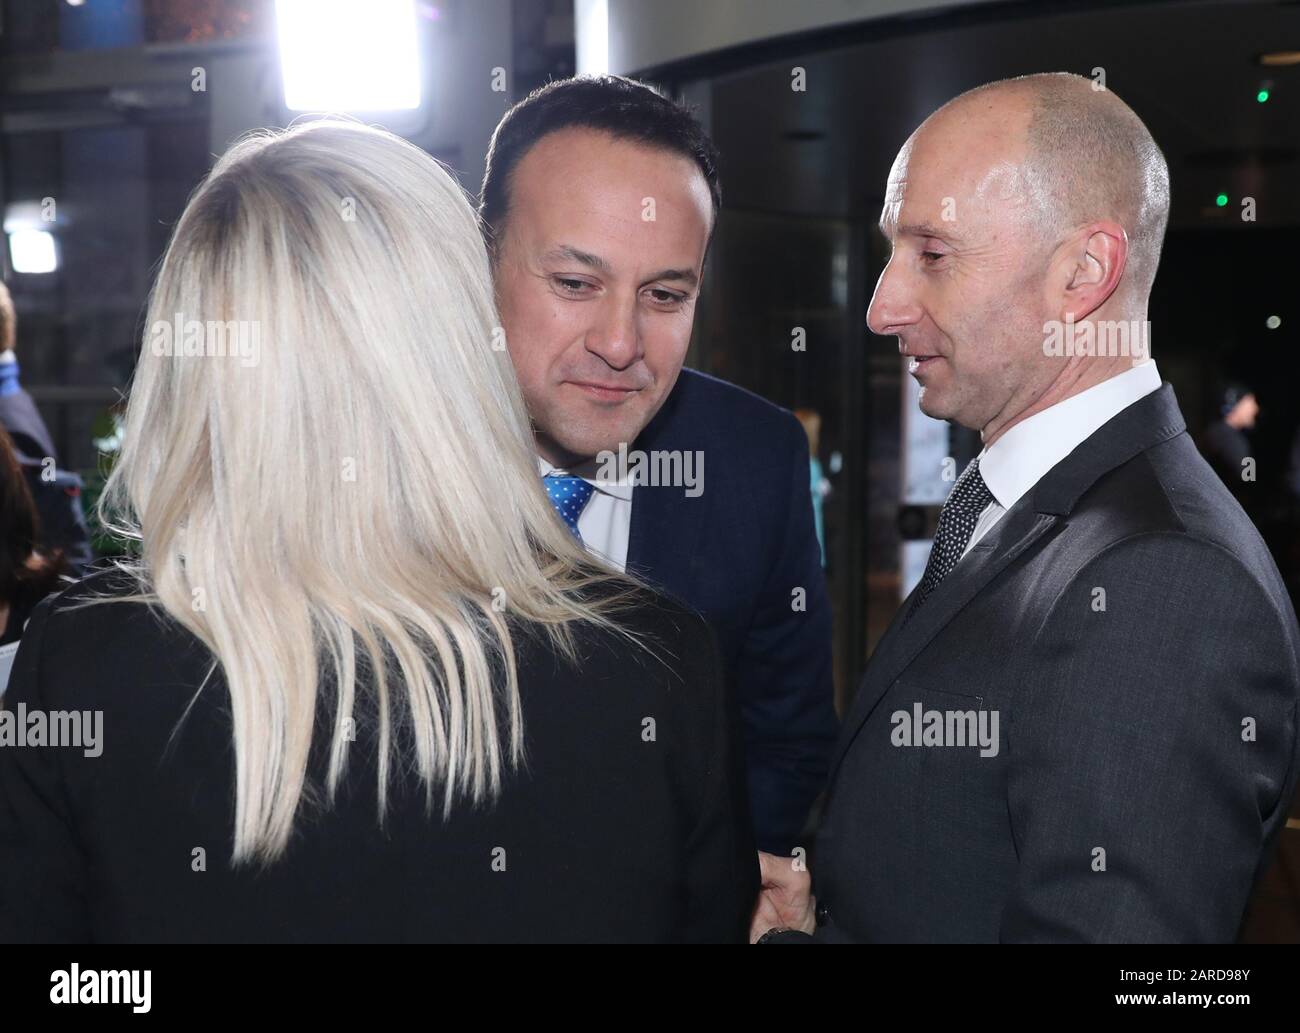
(362, 505)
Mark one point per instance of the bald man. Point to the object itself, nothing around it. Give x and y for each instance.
(1081, 725)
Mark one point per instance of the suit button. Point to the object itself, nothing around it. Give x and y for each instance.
(823, 913)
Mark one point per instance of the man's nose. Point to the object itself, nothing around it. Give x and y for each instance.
(614, 335)
(894, 306)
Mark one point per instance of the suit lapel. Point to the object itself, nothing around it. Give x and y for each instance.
(903, 642)
(1143, 425)
(664, 535)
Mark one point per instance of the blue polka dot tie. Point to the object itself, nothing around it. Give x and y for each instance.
(569, 496)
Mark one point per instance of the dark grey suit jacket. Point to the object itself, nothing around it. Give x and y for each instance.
(1129, 629)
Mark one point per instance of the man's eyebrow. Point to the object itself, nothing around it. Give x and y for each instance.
(566, 252)
(924, 229)
(686, 276)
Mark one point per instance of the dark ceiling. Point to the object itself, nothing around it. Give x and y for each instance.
(1190, 70)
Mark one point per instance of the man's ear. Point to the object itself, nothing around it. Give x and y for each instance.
(1093, 265)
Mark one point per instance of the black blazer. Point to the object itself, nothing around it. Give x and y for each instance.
(1130, 630)
(605, 837)
(744, 554)
(20, 417)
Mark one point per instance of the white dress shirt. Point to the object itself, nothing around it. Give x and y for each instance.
(1019, 458)
(607, 518)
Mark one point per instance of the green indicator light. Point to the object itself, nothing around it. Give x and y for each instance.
(1221, 200)
(1262, 96)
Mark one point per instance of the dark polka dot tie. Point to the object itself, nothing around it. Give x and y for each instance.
(961, 511)
(569, 496)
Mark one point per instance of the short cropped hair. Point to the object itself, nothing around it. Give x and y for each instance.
(623, 108)
(1089, 156)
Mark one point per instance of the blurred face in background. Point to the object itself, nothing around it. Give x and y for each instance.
(964, 288)
(1244, 413)
(597, 272)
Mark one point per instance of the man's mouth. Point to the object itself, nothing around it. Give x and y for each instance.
(603, 392)
(917, 363)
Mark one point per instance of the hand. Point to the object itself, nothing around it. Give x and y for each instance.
(786, 900)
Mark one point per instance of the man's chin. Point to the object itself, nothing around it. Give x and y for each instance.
(932, 405)
(937, 410)
(578, 450)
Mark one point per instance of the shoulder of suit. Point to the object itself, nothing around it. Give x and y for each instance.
(1168, 488)
(1130, 499)
(1168, 502)
(643, 607)
(670, 634)
(731, 410)
(99, 600)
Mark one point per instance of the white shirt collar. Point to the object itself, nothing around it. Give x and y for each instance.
(589, 472)
(1019, 458)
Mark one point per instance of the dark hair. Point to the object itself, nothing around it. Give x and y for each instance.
(623, 108)
(22, 567)
(1230, 393)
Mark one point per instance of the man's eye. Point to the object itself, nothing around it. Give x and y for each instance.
(571, 286)
(663, 297)
(930, 257)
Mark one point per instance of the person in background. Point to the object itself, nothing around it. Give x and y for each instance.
(819, 483)
(56, 493)
(361, 683)
(1225, 443)
(27, 573)
(599, 201)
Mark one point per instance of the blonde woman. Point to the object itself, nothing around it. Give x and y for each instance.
(362, 683)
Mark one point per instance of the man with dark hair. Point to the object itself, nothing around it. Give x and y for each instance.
(599, 201)
(622, 108)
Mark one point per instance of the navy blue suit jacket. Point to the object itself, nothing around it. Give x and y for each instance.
(744, 554)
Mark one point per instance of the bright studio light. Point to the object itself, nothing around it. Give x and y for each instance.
(349, 55)
(33, 251)
(592, 43)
